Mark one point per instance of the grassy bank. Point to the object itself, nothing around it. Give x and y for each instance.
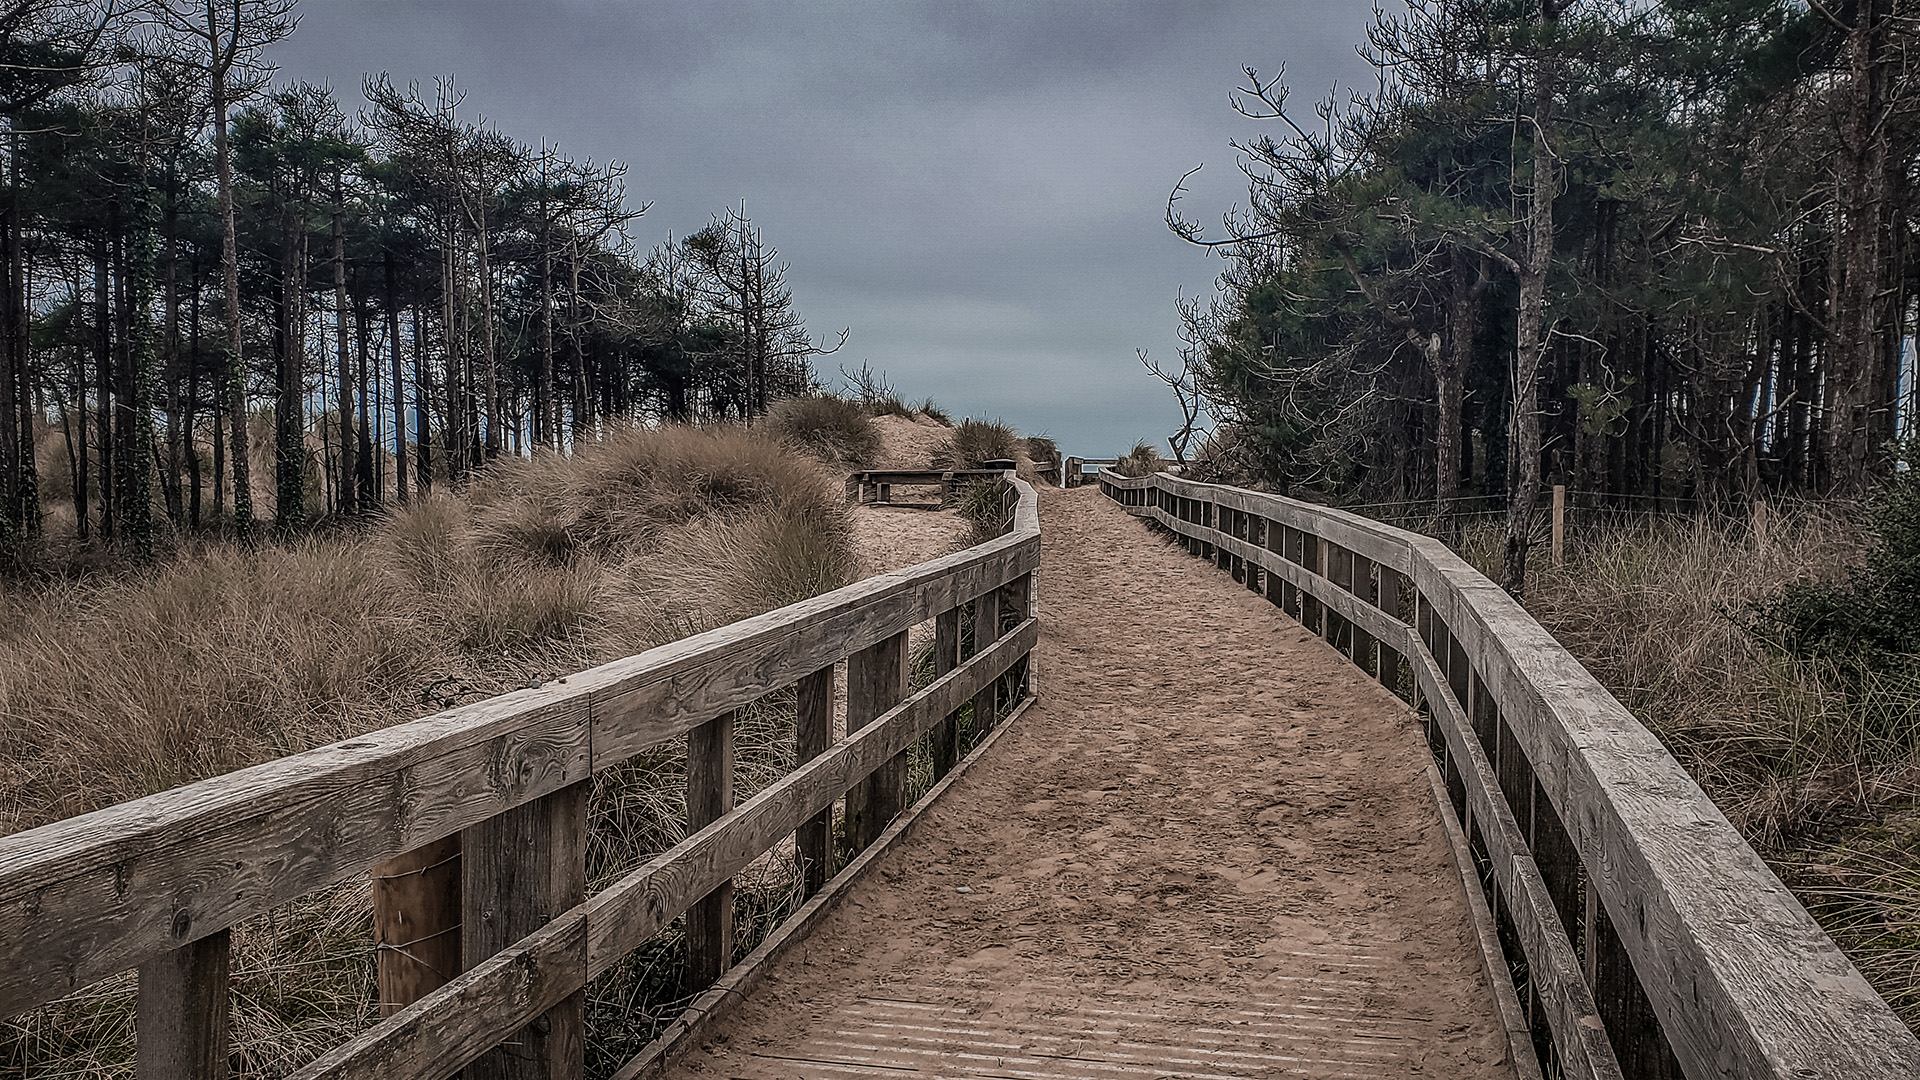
(1819, 768)
(115, 686)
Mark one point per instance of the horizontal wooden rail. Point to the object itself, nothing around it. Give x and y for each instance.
(156, 882)
(876, 485)
(445, 1030)
(1649, 938)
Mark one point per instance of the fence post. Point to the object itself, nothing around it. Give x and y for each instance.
(709, 797)
(986, 629)
(519, 870)
(812, 734)
(1559, 522)
(181, 1013)
(1016, 604)
(946, 657)
(416, 922)
(876, 682)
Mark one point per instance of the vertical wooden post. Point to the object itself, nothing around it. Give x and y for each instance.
(1016, 604)
(986, 629)
(416, 922)
(812, 734)
(180, 1018)
(709, 797)
(519, 870)
(876, 682)
(1559, 522)
(946, 657)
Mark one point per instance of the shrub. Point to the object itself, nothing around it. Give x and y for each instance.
(838, 432)
(975, 441)
(1142, 460)
(1870, 620)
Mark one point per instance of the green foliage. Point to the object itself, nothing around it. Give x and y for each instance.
(1870, 620)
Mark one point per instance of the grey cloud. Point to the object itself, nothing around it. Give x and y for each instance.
(973, 188)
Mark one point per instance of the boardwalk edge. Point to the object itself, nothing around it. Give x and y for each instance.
(727, 991)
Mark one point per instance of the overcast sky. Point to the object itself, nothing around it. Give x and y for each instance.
(974, 190)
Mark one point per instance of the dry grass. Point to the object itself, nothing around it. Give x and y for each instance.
(1821, 773)
(837, 431)
(1142, 460)
(112, 688)
(974, 441)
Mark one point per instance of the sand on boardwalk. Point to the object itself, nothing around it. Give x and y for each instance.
(1209, 850)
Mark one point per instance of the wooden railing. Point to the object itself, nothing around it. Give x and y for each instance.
(876, 485)
(1074, 473)
(1647, 938)
(474, 824)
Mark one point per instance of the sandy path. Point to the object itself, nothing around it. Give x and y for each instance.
(1208, 852)
(892, 537)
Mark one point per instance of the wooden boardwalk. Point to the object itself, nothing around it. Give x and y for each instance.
(1209, 850)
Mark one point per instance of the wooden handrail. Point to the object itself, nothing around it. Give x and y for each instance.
(156, 882)
(1691, 958)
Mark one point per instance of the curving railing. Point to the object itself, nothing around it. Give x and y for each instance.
(1647, 937)
(473, 823)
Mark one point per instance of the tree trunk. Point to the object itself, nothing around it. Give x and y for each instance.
(349, 472)
(236, 375)
(1530, 338)
(170, 363)
(400, 463)
(1856, 404)
(290, 402)
(422, 394)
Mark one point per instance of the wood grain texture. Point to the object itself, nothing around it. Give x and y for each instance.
(1738, 975)
(452, 1026)
(89, 896)
(448, 1029)
(812, 735)
(876, 682)
(84, 898)
(416, 922)
(709, 796)
(986, 627)
(687, 1029)
(945, 737)
(519, 871)
(182, 1013)
(628, 912)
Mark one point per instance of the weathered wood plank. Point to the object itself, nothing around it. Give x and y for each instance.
(105, 891)
(876, 682)
(625, 914)
(946, 657)
(452, 1026)
(448, 1029)
(1557, 977)
(416, 922)
(812, 735)
(709, 797)
(986, 627)
(87, 897)
(519, 871)
(182, 1013)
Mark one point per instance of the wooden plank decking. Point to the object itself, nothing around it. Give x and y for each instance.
(1210, 850)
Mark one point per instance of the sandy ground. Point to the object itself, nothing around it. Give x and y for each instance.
(1208, 851)
(889, 538)
(908, 444)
